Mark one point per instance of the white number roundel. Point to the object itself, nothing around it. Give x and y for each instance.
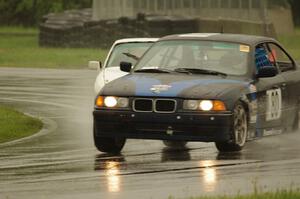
(274, 104)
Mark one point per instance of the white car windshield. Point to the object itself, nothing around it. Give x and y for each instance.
(127, 52)
(196, 56)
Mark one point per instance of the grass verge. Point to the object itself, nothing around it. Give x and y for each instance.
(19, 48)
(292, 43)
(16, 125)
(18, 30)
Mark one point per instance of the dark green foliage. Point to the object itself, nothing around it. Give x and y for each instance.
(282, 3)
(30, 12)
(295, 5)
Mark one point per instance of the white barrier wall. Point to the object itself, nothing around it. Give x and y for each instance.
(251, 10)
(112, 9)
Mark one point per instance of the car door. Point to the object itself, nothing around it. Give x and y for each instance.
(272, 95)
(291, 74)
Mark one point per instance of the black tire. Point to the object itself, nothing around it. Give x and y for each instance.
(239, 132)
(175, 144)
(109, 145)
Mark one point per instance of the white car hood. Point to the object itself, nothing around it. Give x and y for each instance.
(107, 75)
(112, 73)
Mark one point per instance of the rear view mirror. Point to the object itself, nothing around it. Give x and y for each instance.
(95, 65)
(267, 71)
(125, 66)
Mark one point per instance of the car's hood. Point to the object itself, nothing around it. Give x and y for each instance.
(112, 73)
(175, 85)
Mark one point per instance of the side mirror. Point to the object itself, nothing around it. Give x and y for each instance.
(267, 71)
(95, 65)
(125, 66)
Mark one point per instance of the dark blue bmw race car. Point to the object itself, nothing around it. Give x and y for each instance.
(221, 88)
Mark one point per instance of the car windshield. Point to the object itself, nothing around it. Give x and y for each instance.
(184, 56)
(127, 52)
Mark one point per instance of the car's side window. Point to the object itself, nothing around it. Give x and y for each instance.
(262, 56)
(279, 56)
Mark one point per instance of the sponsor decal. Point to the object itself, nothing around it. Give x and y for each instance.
(160, 88)
(253, 103)
(270, 132)
(252, 88)
(199, 35)
(245, 48)
(253, 119)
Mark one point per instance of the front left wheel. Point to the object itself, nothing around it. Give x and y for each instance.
(239, 131)
(109, 145)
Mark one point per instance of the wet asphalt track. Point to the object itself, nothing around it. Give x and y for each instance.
(65, 164)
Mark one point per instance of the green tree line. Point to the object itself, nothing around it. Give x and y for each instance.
(30, 12)
(295, 5)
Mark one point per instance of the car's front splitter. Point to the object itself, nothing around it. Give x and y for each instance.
(212, 127)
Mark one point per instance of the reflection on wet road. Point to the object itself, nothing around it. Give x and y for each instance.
(65, 164)
(209, 175)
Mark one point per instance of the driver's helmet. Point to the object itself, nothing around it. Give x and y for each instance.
(261, 58)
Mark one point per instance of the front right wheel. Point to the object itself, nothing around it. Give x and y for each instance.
(112, 145)
(239, 132)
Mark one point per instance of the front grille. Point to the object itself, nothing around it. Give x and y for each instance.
(154, 105)
(165, 106)
(143, 105)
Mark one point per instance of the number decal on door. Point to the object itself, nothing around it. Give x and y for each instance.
(274, 104)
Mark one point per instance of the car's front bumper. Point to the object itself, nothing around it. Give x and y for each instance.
(209, 127)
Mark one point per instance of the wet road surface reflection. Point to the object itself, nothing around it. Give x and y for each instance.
(112, 172)
(112, 168)
(209, 175)
(65, 164)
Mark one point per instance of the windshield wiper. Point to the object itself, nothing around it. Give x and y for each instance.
(153, 70)
(199, 71)
(131, 56)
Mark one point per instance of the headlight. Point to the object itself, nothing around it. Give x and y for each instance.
(204, 105)
(123, 102)
(191, 104)
(112, 102)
